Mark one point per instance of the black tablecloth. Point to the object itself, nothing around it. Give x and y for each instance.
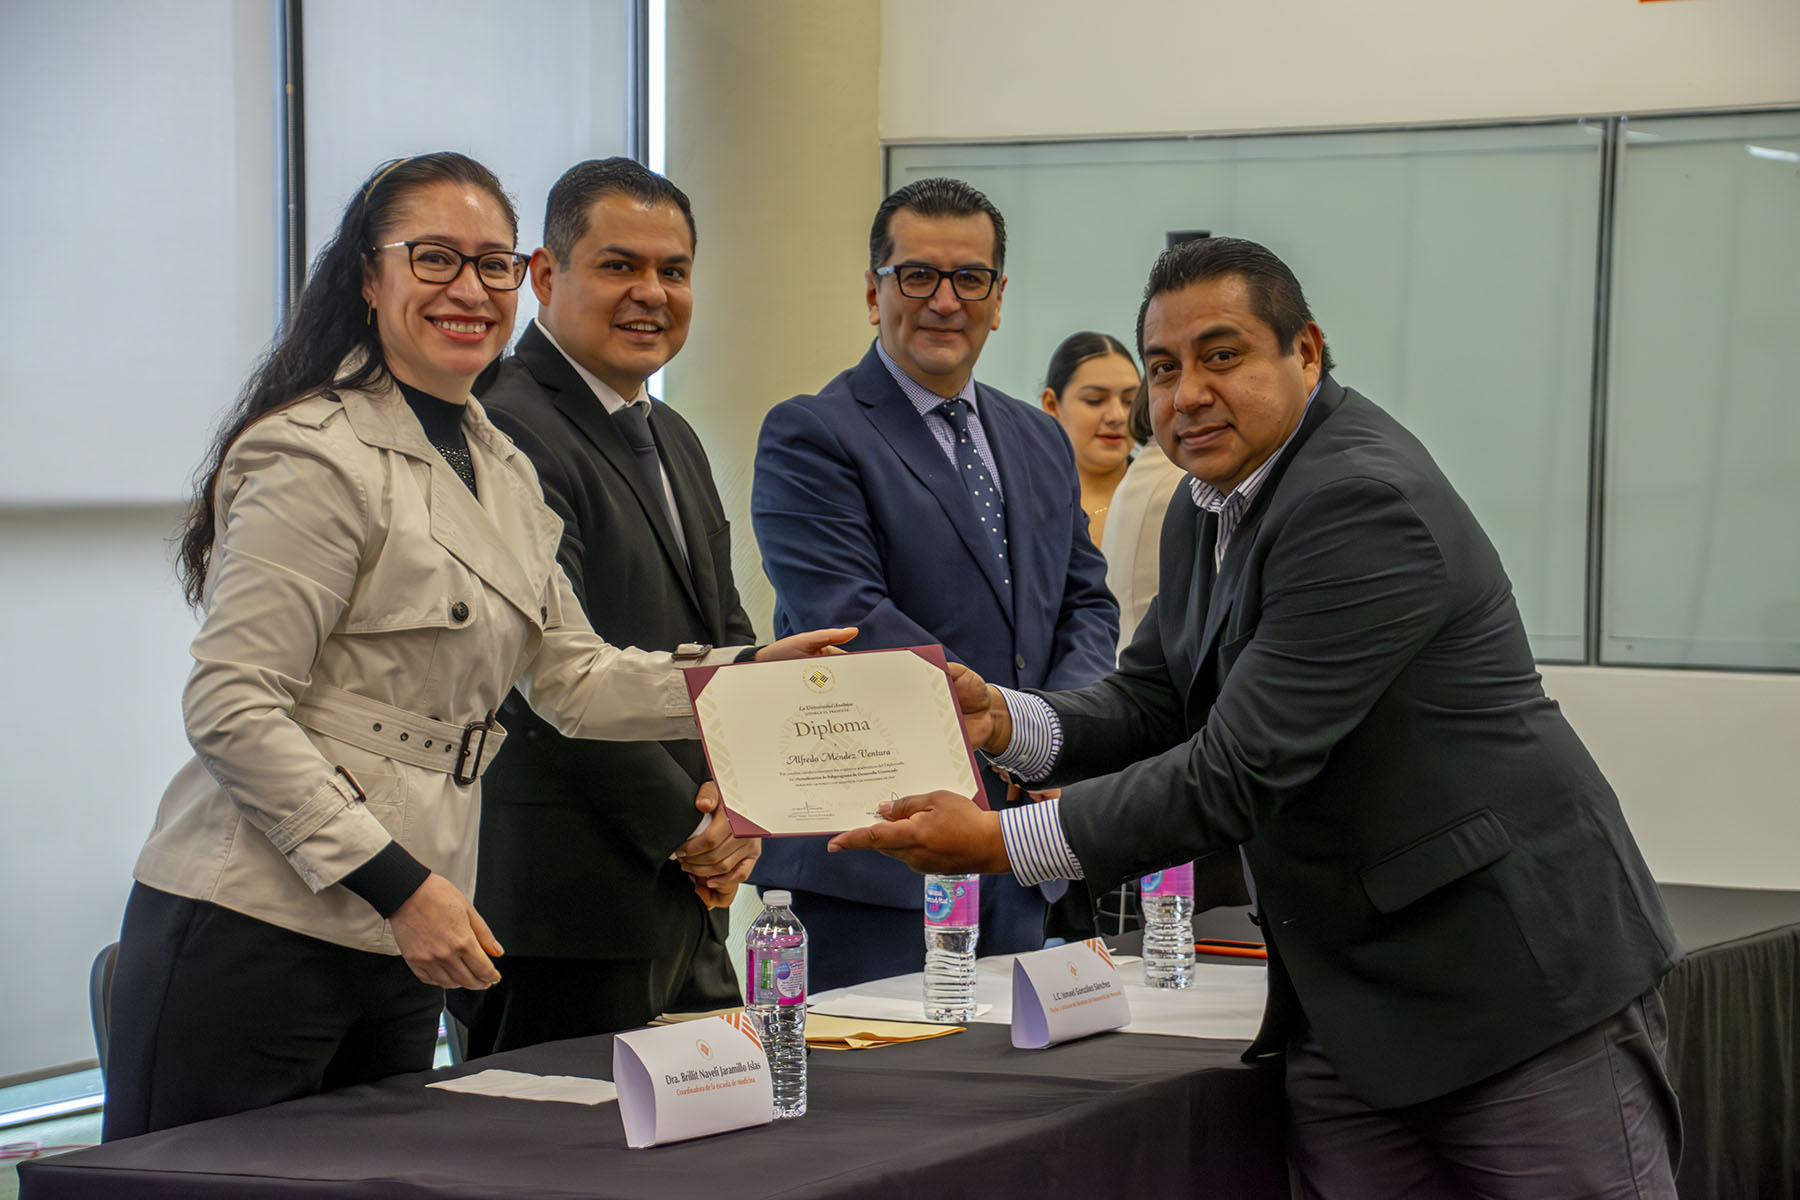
(958, 1116)
(1734, 1041)
(966, 1115)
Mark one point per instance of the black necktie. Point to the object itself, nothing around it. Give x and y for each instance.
(633, 424)
(974, 473)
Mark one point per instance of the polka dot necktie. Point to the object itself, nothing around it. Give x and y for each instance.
(975, 477)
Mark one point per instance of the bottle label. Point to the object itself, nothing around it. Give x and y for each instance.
(778, 972)
(950, 902)
(1176, 881)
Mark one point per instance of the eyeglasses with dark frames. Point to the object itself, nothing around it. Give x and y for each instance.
(434, 262)
(917, 281)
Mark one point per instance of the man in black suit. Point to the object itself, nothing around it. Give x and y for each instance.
(1464, 942)
(602, 929)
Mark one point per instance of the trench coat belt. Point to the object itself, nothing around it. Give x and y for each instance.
(463, 751)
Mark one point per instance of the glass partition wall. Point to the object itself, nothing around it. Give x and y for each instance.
(1506, 291)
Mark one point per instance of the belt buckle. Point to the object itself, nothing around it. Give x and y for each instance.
(462, 754)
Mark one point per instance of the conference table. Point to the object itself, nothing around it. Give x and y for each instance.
(1140, 1112)
(963, 1115)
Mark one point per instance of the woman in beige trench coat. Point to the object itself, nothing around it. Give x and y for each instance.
(375, 569)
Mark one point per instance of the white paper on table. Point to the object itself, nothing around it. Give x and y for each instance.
(1226, 1000)
(691, 1079)
(882, 1008)
(1066, 992)
(518, 1085)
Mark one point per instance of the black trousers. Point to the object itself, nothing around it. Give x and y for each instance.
(1591, 1117)
(214, 1012)
(546, 999)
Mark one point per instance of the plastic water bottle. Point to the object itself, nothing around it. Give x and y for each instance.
(1169, 928)
(776, 996)
(952, 927)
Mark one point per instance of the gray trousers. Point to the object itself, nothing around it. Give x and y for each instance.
(1593, 1116)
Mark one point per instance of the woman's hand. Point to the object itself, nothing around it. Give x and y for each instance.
(443, 939)
(805, 645)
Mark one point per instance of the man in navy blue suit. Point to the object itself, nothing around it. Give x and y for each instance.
(920, 506)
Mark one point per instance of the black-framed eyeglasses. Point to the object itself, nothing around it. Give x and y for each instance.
(917, 281)
(434, 262)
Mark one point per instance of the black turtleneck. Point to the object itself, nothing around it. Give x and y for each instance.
(442, 422)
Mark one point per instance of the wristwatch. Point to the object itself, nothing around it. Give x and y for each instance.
(690, 652)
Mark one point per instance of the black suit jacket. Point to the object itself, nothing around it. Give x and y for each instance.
(1445, 878)
(576, 834)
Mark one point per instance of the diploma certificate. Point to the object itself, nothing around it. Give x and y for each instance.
(813, 745)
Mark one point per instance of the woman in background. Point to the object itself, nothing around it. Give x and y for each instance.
(375, 568)
(1133, 548)
(1088, 388)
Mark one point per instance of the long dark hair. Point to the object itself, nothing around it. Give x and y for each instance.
(327, 326)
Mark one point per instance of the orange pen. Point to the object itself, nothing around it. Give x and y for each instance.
(1229, 949)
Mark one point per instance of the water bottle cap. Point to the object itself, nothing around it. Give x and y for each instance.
(776, 898)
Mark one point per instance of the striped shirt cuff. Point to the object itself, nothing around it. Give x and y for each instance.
(1036, 737)
(1035, 843)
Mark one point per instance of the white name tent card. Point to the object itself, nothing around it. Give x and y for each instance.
(1064, 993)
(692, 1079)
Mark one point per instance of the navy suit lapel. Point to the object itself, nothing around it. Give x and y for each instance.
(576, 401)
(895, 418)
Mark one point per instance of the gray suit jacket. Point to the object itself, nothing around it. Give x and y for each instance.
(1445, 878)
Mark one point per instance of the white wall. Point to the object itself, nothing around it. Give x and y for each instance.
(777, 179)
(1072, 68)
(94, 637)
(140, 181)
(1707, 765)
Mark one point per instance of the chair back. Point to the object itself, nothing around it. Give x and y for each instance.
(100, 979)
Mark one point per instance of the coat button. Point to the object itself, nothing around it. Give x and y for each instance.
(1019, 662)
(544, 613)
(459, 611)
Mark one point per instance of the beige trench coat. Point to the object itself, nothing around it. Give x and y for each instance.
(361, 608)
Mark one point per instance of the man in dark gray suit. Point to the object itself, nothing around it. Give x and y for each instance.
(602, 929)
(1464, 942)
